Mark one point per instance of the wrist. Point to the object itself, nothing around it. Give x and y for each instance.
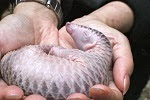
(36, 12)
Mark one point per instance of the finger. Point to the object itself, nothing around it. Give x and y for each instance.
(2, 83)
(123, 63)
(78, 96)
(12, 93)
(116, 91)
(102, 92)
(34, 97)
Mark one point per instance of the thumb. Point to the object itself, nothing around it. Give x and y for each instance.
(10, 92)
(102, 92)
(123, 64)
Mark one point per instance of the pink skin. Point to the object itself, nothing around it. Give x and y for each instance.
(82, 37)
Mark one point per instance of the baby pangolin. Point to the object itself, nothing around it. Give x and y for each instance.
(56, 72)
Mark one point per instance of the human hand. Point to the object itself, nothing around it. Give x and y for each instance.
(122, 59)
(25, 27)
(15, 93)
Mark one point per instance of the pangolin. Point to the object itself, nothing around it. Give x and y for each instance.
(56, 72)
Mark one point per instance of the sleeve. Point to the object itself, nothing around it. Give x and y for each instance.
(80, 8)
(140, 33)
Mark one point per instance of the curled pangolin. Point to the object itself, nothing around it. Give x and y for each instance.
(56, 72)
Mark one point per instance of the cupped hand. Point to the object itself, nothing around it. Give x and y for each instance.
(122, 60)
(17, 30)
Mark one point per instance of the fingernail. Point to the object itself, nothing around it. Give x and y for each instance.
(126, 84)
(97, 89)
(94, 91)
(13, 96)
